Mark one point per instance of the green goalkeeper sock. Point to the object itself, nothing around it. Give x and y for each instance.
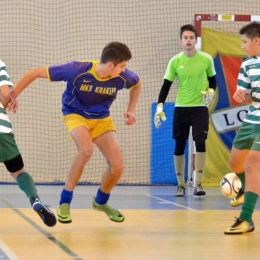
(27, 185)
(248, 206)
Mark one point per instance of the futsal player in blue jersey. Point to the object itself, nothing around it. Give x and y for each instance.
(91, 88)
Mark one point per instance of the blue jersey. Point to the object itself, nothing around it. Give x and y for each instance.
(87, 94)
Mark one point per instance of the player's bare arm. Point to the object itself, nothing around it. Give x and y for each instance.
(23, 83)
(4, 95)
(27, 79)
(134, 94)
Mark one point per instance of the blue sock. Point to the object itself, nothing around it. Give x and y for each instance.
(66, 196)
(102, 197)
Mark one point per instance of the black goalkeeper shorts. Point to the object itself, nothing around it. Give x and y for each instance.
(186, 117)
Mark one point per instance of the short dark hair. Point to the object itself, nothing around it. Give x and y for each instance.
(251, 30)
(115, 52)
(188, 27)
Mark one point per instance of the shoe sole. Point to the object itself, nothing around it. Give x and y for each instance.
(64, 221)
(236, 205)
(239, 233)
(118, 221)
(239, 203)
(198, 195)
(46, 215)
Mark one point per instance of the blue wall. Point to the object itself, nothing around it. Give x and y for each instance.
(162, 149)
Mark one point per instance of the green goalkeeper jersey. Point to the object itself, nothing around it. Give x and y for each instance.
(192, 74)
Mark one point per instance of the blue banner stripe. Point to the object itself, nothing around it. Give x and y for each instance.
(162, 149)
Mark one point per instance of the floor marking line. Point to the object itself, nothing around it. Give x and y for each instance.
(176, 204)
(7, 251)
(44, 232)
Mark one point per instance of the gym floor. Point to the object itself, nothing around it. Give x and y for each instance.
(157, 226)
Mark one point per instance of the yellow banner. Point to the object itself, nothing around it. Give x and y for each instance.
(225, 114)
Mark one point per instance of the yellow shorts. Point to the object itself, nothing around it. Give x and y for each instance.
(95, 127)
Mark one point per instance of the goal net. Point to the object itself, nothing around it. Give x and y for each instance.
(40, 33)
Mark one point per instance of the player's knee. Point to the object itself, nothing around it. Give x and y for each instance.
(200, 144)
(119, 169)
(234, 166)
(86, 153)
(17, 173)
(15, 165)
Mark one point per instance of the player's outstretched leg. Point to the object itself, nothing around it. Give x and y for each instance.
(63, 212)
(45, 213)
(240, 226)
(112, 213)
(238, 200)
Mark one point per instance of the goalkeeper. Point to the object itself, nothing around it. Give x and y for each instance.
(195, 72)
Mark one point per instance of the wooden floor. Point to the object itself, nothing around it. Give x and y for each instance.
(164, 228)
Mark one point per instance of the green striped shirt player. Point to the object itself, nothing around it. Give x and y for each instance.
(249, 80)
(10, 154)
(5, 124)
(245, 152)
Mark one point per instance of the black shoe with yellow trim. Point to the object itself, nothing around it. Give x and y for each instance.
(240, 226)
(238, 200)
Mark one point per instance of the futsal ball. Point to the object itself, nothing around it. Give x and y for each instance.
(230, 185)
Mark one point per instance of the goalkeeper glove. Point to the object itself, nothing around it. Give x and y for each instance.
(159, 114)
(208, 96)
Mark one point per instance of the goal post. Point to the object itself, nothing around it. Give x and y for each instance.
(199, 19)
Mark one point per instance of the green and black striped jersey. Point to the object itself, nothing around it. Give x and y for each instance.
(249, 79)
(5, 124)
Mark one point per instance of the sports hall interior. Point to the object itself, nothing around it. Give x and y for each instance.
(39, 33)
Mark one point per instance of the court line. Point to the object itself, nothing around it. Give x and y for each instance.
(176, 204)
(44, 232)
(8, 253)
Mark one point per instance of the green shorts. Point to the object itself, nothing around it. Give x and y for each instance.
(8, 147)
(248, 137)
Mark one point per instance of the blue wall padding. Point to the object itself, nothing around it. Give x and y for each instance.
(162, 149)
